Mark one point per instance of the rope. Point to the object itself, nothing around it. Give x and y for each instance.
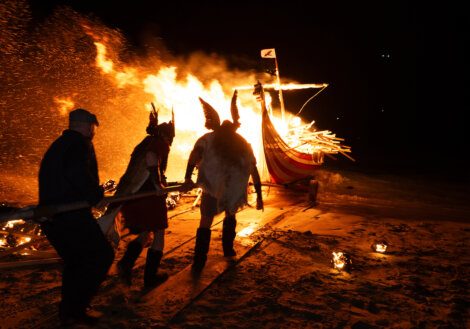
(310, 100)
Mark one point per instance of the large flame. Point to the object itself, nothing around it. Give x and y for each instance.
(170, 91)
(73, 61)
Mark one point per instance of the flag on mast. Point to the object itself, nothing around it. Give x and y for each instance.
(268, 53)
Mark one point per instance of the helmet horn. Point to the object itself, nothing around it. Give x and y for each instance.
(234, 109)
(212, 117)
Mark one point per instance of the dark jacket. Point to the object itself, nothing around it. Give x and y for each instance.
(69, 171)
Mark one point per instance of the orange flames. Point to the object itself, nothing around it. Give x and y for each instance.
(15, 241)
(170, 87)
(380, 246)
(12, 223)
(101, 61)
(124, 77)
(341, 261)
(170, 91)
(65, 105)
(84, 63)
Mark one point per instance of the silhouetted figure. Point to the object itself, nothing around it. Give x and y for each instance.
(69, 173)
(225, 162)
(147, 215)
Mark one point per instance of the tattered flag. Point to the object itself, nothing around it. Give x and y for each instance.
(268, 53)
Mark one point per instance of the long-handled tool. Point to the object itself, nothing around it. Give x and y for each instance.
(42, 213)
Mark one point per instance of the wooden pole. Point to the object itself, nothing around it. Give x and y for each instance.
(38, 212)
(281, 99)
(6, 265)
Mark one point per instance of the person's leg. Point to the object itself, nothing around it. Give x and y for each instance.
(57, 236)
(99, 255)
(87, 257)
(203, 234)
(206, 221)
(125, 265)
(154, 257)
(228, 234)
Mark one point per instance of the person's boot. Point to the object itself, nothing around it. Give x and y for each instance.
(151, 276)
(228, 235)
(125, 265)
(203, 239)
(73, 316)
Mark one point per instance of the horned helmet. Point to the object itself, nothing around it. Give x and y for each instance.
(165, 130)
(212, 117)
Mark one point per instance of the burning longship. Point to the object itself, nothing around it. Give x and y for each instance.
(118, 92)
(287, 163)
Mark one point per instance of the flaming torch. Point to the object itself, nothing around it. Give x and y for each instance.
(341, 261)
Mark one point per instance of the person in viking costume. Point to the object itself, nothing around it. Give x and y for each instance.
(147, 216)
(225, 162)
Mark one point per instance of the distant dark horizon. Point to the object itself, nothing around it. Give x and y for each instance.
(397, 71)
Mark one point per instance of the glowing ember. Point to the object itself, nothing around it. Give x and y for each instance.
(341, 261)
(12, 223)
(23, 240)
(380, 246)
(3, 242)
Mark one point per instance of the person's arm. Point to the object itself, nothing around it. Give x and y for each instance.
(194, 159)
(256, 181)
(257, 184)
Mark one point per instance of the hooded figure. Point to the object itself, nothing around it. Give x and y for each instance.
(146, 172)
(225, 162)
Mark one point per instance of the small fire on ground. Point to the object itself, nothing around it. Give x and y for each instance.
(341, 261)
(380, 247)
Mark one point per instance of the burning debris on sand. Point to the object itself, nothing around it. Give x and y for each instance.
(22, 240)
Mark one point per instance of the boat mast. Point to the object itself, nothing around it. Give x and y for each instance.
(281, 99)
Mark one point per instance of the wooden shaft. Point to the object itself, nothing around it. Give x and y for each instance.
(47, 211)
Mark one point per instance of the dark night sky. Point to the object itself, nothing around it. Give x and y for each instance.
(397, 72)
